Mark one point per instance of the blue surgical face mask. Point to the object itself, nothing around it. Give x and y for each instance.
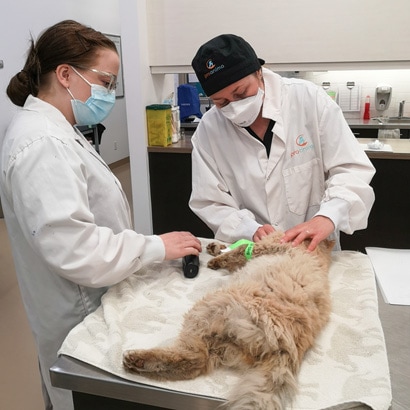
(96, 108)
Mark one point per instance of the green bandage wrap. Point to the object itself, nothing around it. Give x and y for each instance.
(248, 250)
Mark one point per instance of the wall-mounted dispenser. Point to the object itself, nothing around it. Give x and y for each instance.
(383, 97)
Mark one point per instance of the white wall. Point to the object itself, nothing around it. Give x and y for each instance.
(22, 18)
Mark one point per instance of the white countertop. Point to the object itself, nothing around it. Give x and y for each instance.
(374, 123)
(400, 148)
(353, 122)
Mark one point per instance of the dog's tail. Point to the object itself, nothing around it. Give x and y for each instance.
(263, 389)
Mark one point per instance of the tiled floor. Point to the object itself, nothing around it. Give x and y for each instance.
(19, 380)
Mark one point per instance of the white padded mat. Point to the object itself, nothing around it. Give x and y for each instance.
(346, 369)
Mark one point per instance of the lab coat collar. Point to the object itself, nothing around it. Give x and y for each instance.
(56, 116)
(273, 100)
(52, 113)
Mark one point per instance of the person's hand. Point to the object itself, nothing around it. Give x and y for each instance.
(317, 229)
(262, 231)
(180, 244)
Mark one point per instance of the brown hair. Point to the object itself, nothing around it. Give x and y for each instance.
(67, 42)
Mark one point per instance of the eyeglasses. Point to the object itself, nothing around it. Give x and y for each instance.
(110, 82)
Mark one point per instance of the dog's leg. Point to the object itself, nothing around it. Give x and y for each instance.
(177, 362)
(231, 260)
(238, 257)
(264, 387)
(203, 344)
(193, 353)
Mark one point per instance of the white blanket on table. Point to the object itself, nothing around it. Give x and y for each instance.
(347, 367)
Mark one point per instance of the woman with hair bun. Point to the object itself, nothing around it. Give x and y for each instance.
(67, 216)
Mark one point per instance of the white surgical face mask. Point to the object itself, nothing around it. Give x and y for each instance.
(244, 112)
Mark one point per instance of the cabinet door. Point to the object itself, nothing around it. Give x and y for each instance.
(293, 33)
(404, 134)
(389, 222)
(365, 132)
(170, 183)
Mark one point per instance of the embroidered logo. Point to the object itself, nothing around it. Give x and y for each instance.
(300, 140)
(303, 144)
(211, 66)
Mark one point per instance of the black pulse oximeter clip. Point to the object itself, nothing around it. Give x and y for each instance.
(190, 266)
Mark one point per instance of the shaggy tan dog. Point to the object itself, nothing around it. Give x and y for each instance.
(262, 323)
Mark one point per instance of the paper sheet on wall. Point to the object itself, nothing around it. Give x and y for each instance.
(349, 98)
(392, 269)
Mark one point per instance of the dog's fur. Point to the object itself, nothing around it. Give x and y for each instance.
(262, 323)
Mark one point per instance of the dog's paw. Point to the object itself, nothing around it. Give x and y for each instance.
(214, 248)
(222, 261)
(142, 361)
(214, 264)
(132, 361)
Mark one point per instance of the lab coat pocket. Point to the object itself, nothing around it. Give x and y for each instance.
(304, 186)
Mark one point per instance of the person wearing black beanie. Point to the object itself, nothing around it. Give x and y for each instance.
(273, 153)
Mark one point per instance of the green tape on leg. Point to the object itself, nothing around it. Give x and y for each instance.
(239, 243)
(249, 247)
(249, 250)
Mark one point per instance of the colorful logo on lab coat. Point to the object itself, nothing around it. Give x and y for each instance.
(303, 145)
(300, 140)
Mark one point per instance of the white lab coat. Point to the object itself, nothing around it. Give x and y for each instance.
(315, 167)
(69, 224)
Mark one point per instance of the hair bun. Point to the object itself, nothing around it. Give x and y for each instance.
(19, 88)
(22, 76)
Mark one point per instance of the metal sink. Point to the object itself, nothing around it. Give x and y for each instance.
(398, 120)
(393, 120)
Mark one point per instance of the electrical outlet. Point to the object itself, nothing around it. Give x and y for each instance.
(115, 145)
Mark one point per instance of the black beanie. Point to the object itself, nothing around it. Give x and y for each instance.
(224, 60)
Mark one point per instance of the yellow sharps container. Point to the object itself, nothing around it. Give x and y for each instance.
(159, 119)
